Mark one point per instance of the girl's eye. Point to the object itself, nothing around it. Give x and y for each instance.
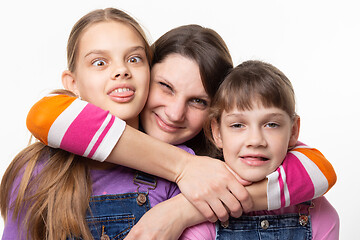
(237, 125)
(99, 63)
(134, 59)
(272, 125)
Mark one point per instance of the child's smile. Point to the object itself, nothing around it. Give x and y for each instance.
(254, 142)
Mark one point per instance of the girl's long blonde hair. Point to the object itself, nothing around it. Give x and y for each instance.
(53, 196)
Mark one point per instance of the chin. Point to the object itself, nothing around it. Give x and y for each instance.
(253, 177)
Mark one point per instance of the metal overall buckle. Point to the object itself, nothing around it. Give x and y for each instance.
(303, 218)
(145, 179)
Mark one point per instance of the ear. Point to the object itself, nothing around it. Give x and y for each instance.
(215, 130)
(69, 83)
(295, 131)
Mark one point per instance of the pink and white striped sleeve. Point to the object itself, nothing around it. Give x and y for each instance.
(304, 175)
(79, 127)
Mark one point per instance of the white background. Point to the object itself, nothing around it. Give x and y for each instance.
(315, 43)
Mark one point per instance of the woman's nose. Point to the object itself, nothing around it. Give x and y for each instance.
(175, 111)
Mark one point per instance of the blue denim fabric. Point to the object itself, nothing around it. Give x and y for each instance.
(114, 215)
(286, 227)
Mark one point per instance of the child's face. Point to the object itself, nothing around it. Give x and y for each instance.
(178, 103)
(255, 142)
(112, 70)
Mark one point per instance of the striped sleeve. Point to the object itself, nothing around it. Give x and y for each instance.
(79, 127)
(304, 175)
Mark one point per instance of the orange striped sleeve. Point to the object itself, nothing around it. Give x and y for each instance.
(43, 114)
(321, 162)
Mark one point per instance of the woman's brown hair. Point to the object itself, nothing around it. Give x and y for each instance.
(206, 47)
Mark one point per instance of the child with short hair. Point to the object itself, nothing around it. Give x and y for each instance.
(253, 121)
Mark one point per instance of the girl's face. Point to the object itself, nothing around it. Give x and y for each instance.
(255, 142)
(178, 103)
(112, 70)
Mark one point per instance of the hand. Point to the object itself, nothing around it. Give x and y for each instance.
(209, 185)
(158, 224)
(242, 181)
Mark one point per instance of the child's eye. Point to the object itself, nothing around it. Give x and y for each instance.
(134, 59)
(99, 63)
(272, 125)
(237, 125)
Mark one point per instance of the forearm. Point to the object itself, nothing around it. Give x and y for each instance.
(157, 223)
(65, 122)
(140, 151)
(187, 212)
(258, 193)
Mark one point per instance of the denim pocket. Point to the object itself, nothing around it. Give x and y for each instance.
(112, 216)
(114, 226)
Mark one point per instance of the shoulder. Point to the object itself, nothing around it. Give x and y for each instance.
(324, 219)
(324, 209)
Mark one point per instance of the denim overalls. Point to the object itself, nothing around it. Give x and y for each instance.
(112, 216)
(269, 227)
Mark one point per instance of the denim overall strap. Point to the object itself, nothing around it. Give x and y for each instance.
(304, 212)
(264, 227)
(112, 216)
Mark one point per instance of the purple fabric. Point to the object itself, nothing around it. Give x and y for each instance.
(116, 180)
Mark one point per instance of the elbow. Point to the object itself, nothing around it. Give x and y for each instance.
(36, 122)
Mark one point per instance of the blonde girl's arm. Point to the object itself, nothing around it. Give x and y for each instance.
(65, 122)
(79, 127)
(304, 175)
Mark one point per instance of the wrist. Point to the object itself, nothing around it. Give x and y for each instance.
(188, 213)
(180, 166)
(258, 193)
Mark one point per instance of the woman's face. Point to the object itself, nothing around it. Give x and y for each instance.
(178, 103)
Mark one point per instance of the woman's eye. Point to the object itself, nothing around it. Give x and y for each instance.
(134, 59)
(99, 63)
(199, 101)
(162, 84)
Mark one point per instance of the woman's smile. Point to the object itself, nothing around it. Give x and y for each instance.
(165, 126)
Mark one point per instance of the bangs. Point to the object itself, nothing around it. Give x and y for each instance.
(244, 87)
